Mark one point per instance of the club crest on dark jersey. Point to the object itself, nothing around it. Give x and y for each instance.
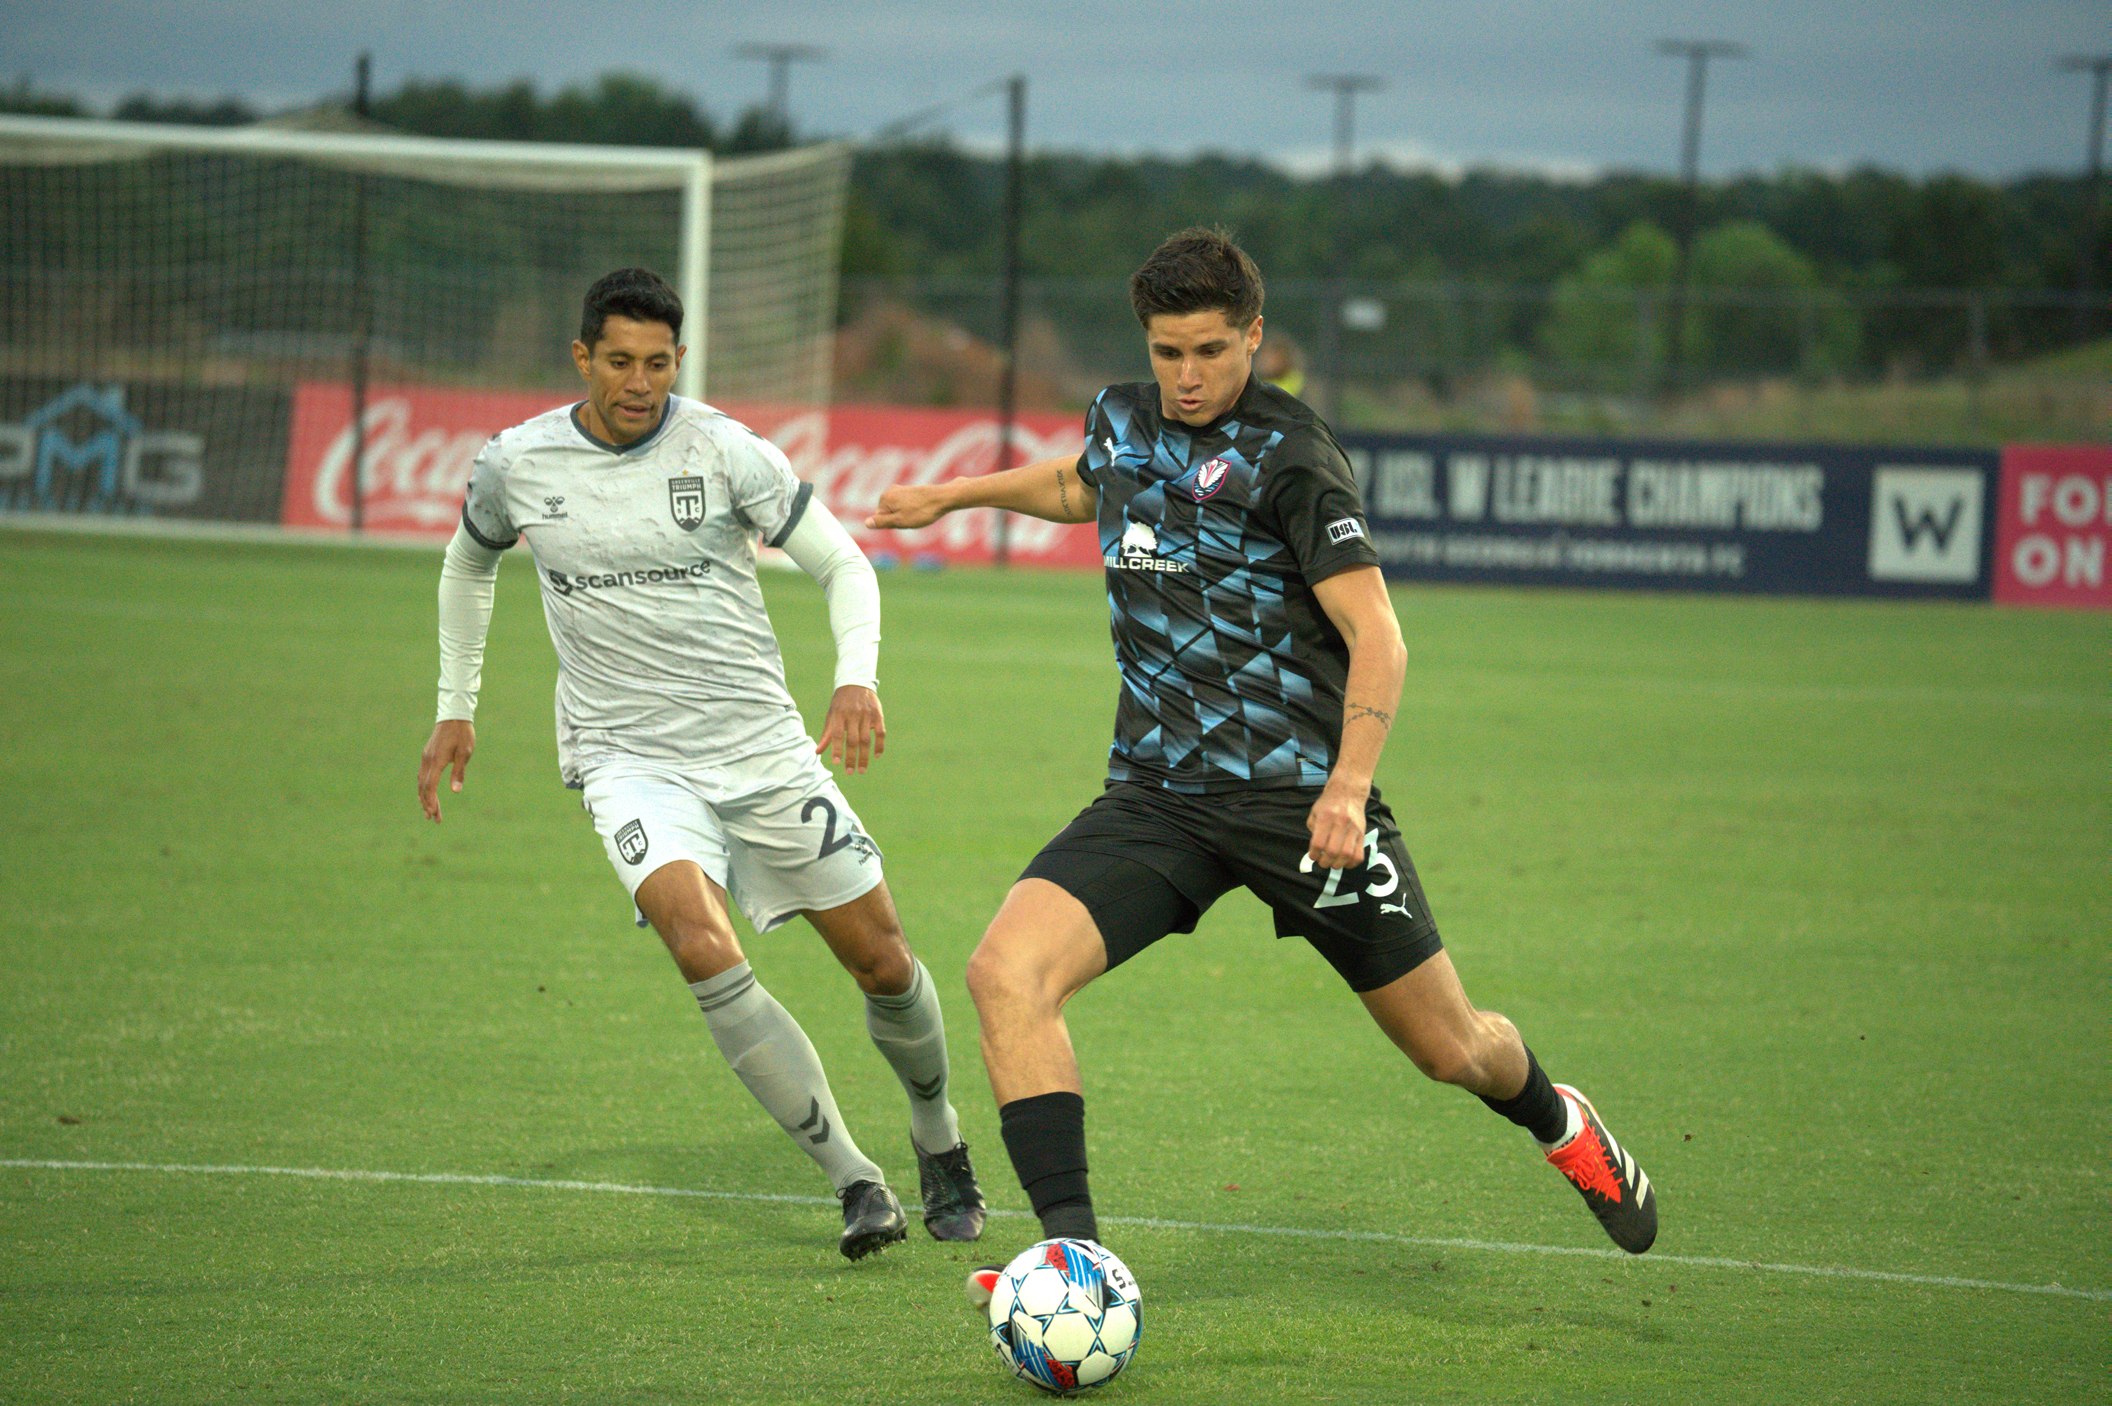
(1211, 477)
(685, 496)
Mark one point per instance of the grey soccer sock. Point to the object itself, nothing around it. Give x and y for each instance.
(911, 1032)
(777, 1062)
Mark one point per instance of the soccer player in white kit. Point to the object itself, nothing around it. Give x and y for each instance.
(643, 509)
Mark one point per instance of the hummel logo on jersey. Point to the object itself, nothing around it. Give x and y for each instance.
(685, 497)
(631, 842)
(554, 505)
(1342, 529)
(1211, 477)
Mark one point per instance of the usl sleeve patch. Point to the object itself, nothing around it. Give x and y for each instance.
(1342, 529)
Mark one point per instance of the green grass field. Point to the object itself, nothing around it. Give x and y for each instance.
(310, 1101)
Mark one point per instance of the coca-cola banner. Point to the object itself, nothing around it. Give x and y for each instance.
(421, 442)
(852, 453)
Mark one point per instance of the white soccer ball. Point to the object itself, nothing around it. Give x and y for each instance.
(1065, 1315)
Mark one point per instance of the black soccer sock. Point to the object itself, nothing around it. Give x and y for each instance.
(1537, 1108)
(1045, 1135)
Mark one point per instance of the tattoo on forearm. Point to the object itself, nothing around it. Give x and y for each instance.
(1063, 494)
(1359, 710)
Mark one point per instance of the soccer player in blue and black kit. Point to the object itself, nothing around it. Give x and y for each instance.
(1261, 668)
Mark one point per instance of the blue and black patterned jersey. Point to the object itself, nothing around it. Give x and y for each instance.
(1232, 674)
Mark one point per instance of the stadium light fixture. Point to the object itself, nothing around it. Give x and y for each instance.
(781, 57)
(1697, 53)
(1345, 87)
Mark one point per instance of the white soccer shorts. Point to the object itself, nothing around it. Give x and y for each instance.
(774, 831)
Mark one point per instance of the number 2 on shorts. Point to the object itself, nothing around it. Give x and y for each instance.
(830, 840)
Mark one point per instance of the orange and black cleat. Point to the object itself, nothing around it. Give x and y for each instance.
(1612, 1184)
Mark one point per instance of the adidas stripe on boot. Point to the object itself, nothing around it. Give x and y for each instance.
(1611, 1182)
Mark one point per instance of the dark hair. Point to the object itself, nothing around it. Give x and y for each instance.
(1197, 270)
(639, 294)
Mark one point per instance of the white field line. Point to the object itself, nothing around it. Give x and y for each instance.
(1502, 1247)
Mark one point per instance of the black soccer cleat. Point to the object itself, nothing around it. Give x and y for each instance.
(953, 1203)
(872, 1219)
(1611, 1182)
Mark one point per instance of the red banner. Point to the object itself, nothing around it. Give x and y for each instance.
(2055, 525)
(421, 442)
(854, 452)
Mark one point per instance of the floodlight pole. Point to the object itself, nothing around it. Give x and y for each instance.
(781, 57)
(1345, 87)
(1008, 300)
(1697, 53)
(362, 307)
(2098, 65)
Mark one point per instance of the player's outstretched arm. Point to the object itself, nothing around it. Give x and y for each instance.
(1049, 489)
(1357, 603)
(447, 753)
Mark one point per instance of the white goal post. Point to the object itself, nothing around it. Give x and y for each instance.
(186, 265)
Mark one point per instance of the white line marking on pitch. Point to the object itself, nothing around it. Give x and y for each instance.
(1507, 1247)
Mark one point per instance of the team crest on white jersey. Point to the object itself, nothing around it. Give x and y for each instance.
(685, 496)
(1211, 477)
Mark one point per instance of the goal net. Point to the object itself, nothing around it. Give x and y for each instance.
(165, 290)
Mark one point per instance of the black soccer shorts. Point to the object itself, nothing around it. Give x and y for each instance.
(1146, 862)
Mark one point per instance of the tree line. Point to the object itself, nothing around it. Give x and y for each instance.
(931, 208)
(928, 209)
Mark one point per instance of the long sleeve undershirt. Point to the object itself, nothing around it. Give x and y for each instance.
(818, 545)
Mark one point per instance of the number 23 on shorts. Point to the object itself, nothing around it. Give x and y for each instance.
(1381, 886)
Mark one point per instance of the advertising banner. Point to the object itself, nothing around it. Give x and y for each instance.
(2055, 521)
(140, 449)
(422, 442)
(1677, 515)
(2029, 524)
(855, 452)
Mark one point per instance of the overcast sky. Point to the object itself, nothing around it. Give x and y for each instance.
(1571, 86)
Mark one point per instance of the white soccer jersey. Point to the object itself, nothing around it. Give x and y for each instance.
(646, 557)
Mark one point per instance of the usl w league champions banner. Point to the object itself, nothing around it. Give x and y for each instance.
(2026, 524)
(1680, 515)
